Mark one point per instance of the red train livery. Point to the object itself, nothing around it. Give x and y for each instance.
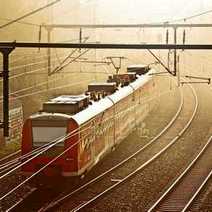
(93, 129)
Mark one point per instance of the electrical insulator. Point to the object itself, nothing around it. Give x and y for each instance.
(184, 36)
(39, 35)
(80, 37)
(167, 36)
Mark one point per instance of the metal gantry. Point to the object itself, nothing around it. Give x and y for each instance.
(50, 27)
(104, 26)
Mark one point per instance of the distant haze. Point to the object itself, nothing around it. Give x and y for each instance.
(118, 11)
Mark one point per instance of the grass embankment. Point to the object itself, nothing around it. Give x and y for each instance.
(9, 148)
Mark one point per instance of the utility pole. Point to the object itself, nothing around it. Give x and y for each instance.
(175, 51)
(5, 75)
(178, 70)
(49, 30)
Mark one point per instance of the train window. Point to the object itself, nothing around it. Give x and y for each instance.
(43, 135)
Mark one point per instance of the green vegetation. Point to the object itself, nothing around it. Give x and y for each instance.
(9, 148)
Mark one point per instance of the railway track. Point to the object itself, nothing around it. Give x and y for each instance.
(113, 178)
(9, 161)
(10, 157)
(23, 200)
(27, 203)
(183, 191)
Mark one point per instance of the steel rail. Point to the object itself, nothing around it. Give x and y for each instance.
(73, 145)
(42, 148)
(56, 141)
(197, 192)
(146, 163)
(9, 156)
(180, 178)
(19, 202)
(54, 203)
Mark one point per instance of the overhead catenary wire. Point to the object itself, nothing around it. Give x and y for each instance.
(22, 53)
(35, 54)
(60, 67)
(61, 55)
(71, 61)
(20, 22)
(40, 69)
(51, 89)
(43, 62)
(192, 16)
(167, 21)
(50, 81)
(29, 14)
(27, 22)
(36, 63)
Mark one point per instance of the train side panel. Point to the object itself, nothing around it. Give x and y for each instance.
(110, 127)
(70, 164)
(96, 139)
(124, 118)
(94, 131)
(26, 146)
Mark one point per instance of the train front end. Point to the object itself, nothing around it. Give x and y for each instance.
(50, 138)
(45, 137)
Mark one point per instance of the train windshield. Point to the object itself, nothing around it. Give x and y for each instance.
(47, 132)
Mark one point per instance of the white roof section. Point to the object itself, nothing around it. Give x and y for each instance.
(92, 110)
(142, 80)
(67, 99)
(120, 94)
(109, 101)
(137, 66)
(45, 114)
(102, 83)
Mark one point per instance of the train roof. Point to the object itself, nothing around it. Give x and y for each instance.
(108, 101)
(99, 106)
(137, 66)
(142, 80)
(102, 83)
(41, 115)
(92, 110)
(67, 99)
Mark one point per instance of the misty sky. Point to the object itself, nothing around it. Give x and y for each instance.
(144, 10)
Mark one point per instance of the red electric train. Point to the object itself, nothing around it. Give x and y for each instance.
(93, 123)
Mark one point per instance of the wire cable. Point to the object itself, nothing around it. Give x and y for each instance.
(29, 14)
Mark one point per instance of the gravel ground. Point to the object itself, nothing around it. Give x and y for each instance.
(9, 183)
(142, 191)
(203, 202)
